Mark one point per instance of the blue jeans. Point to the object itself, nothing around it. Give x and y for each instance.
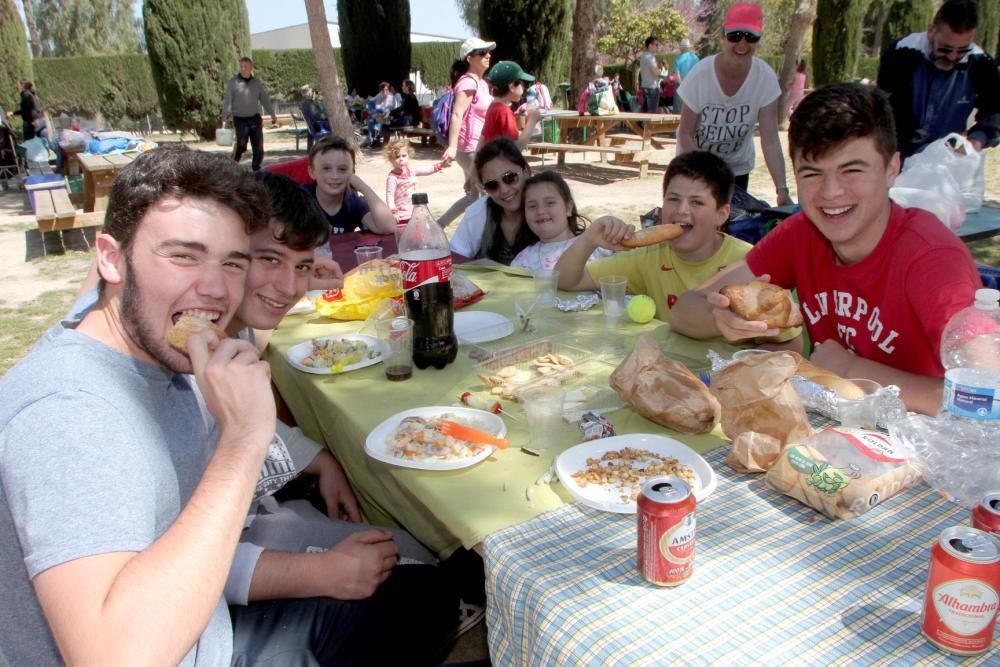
(650, 99)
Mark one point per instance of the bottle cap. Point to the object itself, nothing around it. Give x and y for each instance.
(985, 297)
(419, 198)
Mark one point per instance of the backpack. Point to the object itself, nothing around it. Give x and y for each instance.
(441, 116)
(601, 99)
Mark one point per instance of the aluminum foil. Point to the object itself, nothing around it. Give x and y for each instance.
(584, 301)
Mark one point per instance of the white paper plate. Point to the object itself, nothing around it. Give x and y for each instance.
(481, 326)
(604, 497)
(298, 352)
(375, 444)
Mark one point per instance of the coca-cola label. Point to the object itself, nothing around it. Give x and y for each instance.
(677, 544)
(966, 606)
(425, 272)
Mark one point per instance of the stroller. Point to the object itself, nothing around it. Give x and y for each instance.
(10, 166)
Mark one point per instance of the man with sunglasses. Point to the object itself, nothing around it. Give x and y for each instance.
(936, 79)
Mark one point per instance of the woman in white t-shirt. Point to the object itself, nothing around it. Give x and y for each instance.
(727, 94)
(468, 114)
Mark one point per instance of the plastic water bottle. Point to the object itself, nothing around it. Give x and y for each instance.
(970, 353)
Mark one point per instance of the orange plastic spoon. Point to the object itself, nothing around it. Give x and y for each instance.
(456, 430)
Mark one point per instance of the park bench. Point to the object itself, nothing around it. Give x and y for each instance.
(54, 212)
(298, 128)
(425, 134)
(620, 154)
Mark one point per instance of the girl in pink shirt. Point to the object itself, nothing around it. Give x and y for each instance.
(402, 180)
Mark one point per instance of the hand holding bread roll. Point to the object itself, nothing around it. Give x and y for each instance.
(653, 235)
(758, 301)
(188, 325)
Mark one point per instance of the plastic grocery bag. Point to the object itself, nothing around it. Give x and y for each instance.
(931, 187)
(962, 160)
(365, 287)
(224, 136)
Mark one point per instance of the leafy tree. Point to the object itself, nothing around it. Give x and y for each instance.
(626, 25)
(836, 40)
(988, 33)
(536, 34)
(15, 60)
(374, 42)
(802, 20)
(194, 48)
(469, 9)
(903, 17)
(85, 27)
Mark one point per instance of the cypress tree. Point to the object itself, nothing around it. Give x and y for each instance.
(536, 34)
(15, 61)
(374, 43)
(837, 40)
(905, 17)
(194, 48)
(988, 31)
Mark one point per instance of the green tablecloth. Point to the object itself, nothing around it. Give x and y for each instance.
(447, 509)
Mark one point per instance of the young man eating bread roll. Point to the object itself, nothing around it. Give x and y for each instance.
(685, 249)
(876, 282)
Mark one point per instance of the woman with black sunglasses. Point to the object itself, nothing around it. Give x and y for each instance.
(494, 227)
(726, 95)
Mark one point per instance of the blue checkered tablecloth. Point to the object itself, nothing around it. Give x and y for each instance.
(775, 582)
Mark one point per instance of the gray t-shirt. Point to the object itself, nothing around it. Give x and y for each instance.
(99, 452)
(647, 61)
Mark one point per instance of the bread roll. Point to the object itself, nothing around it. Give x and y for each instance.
(186, 326)
(652, 235)
(758, 301)
(811, 371)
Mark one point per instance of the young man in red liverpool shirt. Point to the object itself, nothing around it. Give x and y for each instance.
(876, 282)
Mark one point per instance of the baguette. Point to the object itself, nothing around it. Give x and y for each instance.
(187, 325)
(653, 235)
(811, 371)
(758, 301)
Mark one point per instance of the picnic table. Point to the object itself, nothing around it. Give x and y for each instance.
(99, 172)
(644, 126)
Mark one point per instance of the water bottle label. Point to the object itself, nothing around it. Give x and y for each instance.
(970, 401)
(425, 272)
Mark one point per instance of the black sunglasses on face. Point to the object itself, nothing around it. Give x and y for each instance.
(508, 178)
(945, 50)
(478, 53)
(736, 35)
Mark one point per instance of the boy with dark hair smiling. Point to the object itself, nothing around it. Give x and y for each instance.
(876, 282)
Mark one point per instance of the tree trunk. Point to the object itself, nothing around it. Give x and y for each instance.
(584, 54)
(326, 69)
(802, 19)
(883, 14)
(29, 18)
(836, 40)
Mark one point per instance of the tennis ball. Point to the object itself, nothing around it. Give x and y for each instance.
(641, 308)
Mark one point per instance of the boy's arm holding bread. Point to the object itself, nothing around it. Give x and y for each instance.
(605, 232)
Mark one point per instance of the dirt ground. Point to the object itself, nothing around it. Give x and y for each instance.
(598, 188)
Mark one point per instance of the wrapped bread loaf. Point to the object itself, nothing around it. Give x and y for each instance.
(663, 390)
(758, 301)
(843, 473)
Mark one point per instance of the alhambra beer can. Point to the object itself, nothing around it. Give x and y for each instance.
(986, 515)
(666, 527)
(961, 601)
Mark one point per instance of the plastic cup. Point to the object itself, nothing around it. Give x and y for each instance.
(613, 296)
(367, 253)
(525, 304)
(546, 284)
(400, 228)
(396, 338)
(544, 408)
(854, 410)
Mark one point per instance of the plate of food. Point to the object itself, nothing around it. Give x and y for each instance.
(607, 474)
(414, 438)
(481, 326)
(335, 354)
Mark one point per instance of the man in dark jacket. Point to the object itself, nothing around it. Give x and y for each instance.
(244, 97)
(936, 79)
(30, 110)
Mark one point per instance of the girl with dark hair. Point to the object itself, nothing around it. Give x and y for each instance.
(493, 227)
(550, 212)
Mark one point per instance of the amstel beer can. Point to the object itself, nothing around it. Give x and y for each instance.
(961, 601)
(666, 526)
(986, 515)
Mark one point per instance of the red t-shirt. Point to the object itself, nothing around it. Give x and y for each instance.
(890, 307)
(499, 123)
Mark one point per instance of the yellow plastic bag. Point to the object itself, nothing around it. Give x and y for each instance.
(364, 288)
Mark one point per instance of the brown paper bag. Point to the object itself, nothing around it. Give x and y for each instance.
(664, 390)
(756, 395)
(753, 452)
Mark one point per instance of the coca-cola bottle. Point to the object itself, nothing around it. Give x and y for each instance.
(425, 260)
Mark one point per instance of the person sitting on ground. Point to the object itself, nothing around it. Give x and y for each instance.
(876, 282)
(317, 123)
(726, 95)
(697, 188)
(550, 212)
(936, 79)
(493, 226)
(402, 179)
(508, 81)
(407, 114)
(348, 202)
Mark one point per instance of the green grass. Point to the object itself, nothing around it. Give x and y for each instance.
(986, 251)
(20, 327)
(72, 263)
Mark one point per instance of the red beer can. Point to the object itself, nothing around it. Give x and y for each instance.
(963, 591)
(666, 529)
(986, 515)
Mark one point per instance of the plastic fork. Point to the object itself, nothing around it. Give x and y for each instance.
(462, 432)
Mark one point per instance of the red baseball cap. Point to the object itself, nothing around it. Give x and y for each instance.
(744, 16)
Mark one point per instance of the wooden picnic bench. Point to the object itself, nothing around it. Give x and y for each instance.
(99, 172)
(54, 212)
(425, 134)
(620, 153)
